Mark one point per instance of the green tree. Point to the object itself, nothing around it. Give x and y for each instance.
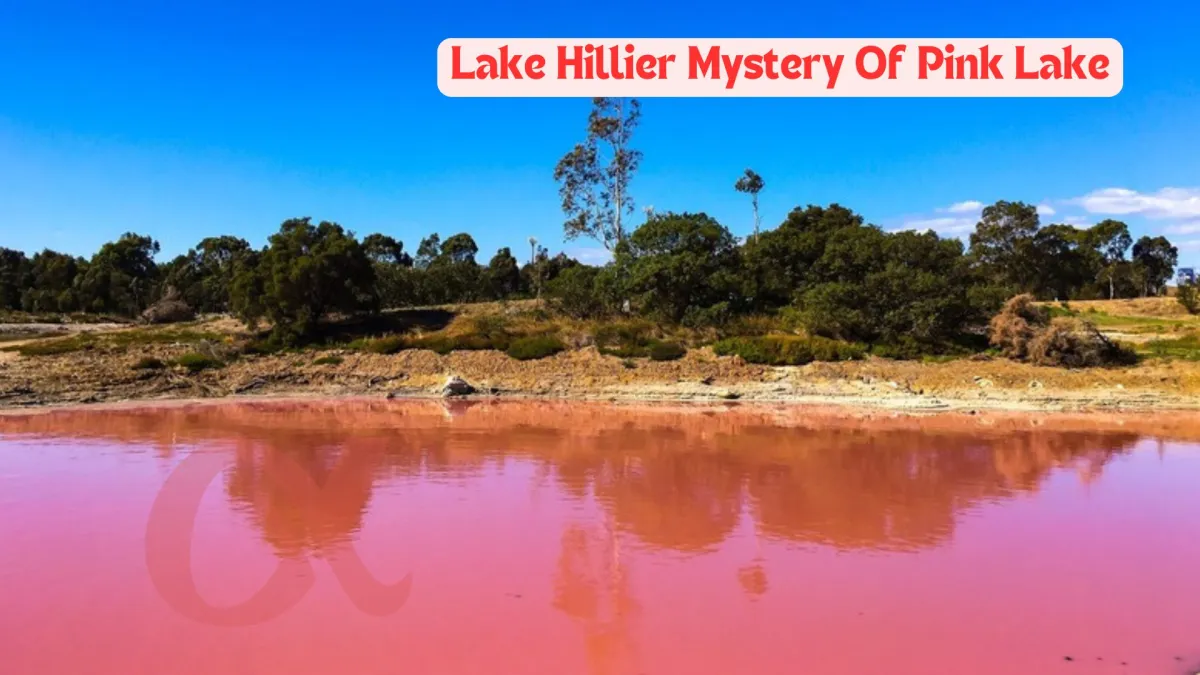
(428, 251)
(1155, 259)
(1063, 267)
(203, 276)
(305, 273)
(889, 288)
(52, 283)
(594, 176)
(383, 249)
(503, 274)
(1002, 245)
(14, 273)
(680, 264)
(573, 292)
(121, 277)
(751, 183)
(1110, 239)
(779, 263)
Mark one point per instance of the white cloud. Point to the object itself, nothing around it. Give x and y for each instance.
(1168, 202)
(943, 225)
(1189, 245)
(1045, 210)
(590, 255)
(1192, 227)
(969, 206)
(1078, 221)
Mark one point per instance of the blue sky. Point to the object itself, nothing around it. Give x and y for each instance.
(189, 119)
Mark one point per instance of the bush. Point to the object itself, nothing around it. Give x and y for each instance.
(789, 350)
(384, 345)
(666, 351)
(535, 347)
(1067, 343)
(573, 292)
(195, 362)
(328, 361)
(149, 363)
(57, 346)
(1017, 324)
(1187, 296)
(1024, 331)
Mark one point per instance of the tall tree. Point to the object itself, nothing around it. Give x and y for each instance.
(1155, 259)
(381, 248)
(306, 272)
(52, 283)
(1003, 245)
(121, 276)
(14, 270)
(1110, 238)
(751, 183)
(594, 176)
(503, 274)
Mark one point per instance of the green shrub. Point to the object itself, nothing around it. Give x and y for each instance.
(1187, 296)
(384, 345)
(788, 350)
(573, 292)
(195, 362)
(149, 363)
(328, 361)
(535, 347)
(666, 351)
(57, 346)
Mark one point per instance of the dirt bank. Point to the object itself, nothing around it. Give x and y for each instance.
(99, 375)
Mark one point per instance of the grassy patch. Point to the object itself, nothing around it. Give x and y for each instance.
(666, 351)
(195, 362)
(149, 363)
(1186, 348)
(788, 350)
(535, 347)
(328, 361)
(56, 346)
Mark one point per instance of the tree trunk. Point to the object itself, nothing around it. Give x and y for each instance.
(754, 201)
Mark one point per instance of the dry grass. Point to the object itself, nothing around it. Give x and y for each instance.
(1159, 308)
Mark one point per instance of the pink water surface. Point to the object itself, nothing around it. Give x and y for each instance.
(572, 538)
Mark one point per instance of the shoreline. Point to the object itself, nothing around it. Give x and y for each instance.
(664, 394)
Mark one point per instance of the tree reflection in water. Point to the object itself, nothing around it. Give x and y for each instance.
(665, 478)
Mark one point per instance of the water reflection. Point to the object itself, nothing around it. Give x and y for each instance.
(644, 485)
(671, 478)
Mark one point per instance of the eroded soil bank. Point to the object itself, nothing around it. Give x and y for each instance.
(86, 377)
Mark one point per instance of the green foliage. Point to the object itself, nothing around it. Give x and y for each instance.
(1186, 347)
(204, 276)
(384, 345)
(788, 350)
(676, 263)
(594, 176)
(535, 347)
(1186, 294)
(1154, 259)
(121, 277)
(503, 275)
(574, 292)
(50, 284)
(305, 273)
(14, 273)
(67, 345)
(328, 361)
(149, 363)
(666, 351)
(195, 362)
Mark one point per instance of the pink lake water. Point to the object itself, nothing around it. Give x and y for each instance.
(365, 537)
